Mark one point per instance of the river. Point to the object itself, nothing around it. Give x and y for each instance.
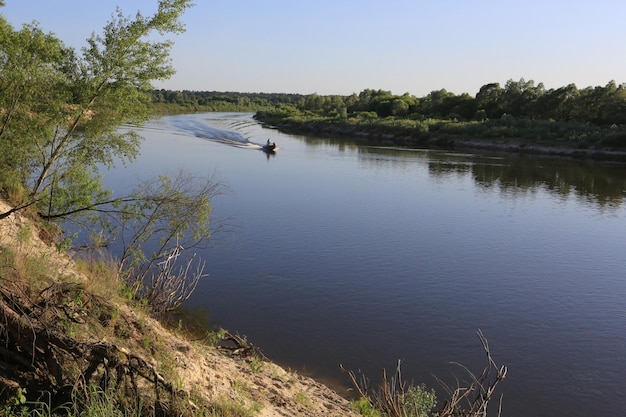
(365, 255)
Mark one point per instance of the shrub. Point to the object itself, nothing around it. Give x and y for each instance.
(394, 398)
(365, 408)
(418, 401)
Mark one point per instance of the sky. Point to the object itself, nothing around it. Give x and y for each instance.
(345, 46)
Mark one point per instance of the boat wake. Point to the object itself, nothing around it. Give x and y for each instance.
(194, 126)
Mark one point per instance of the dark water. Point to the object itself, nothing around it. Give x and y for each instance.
(363, 256)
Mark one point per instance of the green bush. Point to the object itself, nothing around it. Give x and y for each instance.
(418, 401)
(365, 408)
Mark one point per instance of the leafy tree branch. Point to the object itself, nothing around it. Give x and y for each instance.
(59, 111)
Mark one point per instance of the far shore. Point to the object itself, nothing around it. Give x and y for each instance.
(458, 142)
(523, 147)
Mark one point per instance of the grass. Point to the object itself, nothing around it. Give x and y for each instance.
(83, 310)
(365, 408)
(256, 364)
(303, 399)
(104, 403)
(32, 271)
(102, 277)
(247, 405)
(226, 407)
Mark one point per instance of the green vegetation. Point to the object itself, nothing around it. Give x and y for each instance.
(393, 397)
(303, 399)
(416, 401)
(364, 407)
(522, 111)
(166, 101)
(529, 114)
(60, 113)
(256, 364)
(72, 347)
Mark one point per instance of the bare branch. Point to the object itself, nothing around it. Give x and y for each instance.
(169, 289)
(360, 387)
(471, 399)
(479, 392)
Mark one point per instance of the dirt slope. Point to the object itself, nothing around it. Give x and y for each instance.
(200, 369)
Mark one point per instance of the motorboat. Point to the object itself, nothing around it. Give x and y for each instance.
(269, 146)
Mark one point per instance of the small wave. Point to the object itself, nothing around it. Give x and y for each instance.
(227, 130)
(200, 129)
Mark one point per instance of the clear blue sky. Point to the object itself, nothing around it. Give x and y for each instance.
(345, 46)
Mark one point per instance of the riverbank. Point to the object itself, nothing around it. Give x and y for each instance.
(524, 147)
(83, 329)
(505, 138)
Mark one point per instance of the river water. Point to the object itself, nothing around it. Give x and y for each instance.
(365, 255)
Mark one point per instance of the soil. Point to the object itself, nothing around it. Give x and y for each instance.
(205, 374)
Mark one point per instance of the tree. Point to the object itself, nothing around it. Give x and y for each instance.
(558, 104)
(60, 112)
(313, 102)
(489, 99)
(519, 97)
(59, 119)
(399, 107)
(169, 215)
(602, 105)
(444, 104)
(31, 93)
(371, 100)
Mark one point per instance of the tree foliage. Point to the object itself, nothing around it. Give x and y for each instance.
(60, 110)
(593, 117)
(519, 99)
(60, 113)
(163, 213)
(168, 101)
(522, 99)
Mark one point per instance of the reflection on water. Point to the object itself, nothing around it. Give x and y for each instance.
(592, 182)
(602, 186)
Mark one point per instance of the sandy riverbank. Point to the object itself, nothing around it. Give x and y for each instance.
(204, 373)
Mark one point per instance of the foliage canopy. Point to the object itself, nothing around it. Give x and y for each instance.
(60, 110)
(60, 113)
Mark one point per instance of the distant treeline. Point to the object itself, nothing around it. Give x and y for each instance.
(521, 99)
(581, 118)
(167, 101)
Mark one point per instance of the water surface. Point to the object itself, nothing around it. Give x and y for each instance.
(365, 255)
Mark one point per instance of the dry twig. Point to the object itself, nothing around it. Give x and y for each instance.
(169, 289)
(464, 400)
(473, 399)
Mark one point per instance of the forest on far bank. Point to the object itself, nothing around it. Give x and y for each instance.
(522, 110)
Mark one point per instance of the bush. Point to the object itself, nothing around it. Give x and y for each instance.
(394, 398)
(365, 408)
(418, 401)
